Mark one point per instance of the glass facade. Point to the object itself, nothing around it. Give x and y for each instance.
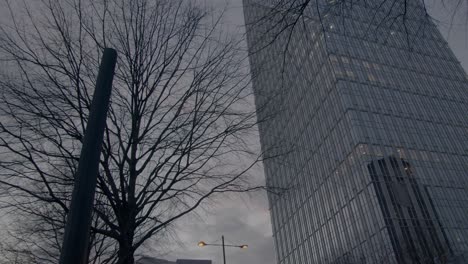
(366, 130)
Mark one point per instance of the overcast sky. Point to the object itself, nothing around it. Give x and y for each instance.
(246, 220)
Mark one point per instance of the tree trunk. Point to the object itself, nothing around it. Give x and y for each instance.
(125, 252)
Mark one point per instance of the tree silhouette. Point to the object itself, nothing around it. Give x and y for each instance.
(178, 127)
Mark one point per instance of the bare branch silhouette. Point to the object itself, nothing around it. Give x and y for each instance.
(176, 130)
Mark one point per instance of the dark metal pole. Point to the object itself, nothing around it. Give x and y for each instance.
(76, 238)
(224, 250)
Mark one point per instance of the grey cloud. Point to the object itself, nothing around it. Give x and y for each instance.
(239, 224)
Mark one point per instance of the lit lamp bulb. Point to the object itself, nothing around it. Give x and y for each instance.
(244, 246)
(201, 244)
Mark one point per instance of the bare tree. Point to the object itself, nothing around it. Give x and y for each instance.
(176, 130)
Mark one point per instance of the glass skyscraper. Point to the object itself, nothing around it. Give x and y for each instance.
(364, 113)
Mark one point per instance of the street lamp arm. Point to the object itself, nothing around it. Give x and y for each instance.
(237, 246)
(220, 245)
(217, 245)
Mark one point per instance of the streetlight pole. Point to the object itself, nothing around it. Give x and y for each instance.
(224, 250)
(223, 245)
(76, 237)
